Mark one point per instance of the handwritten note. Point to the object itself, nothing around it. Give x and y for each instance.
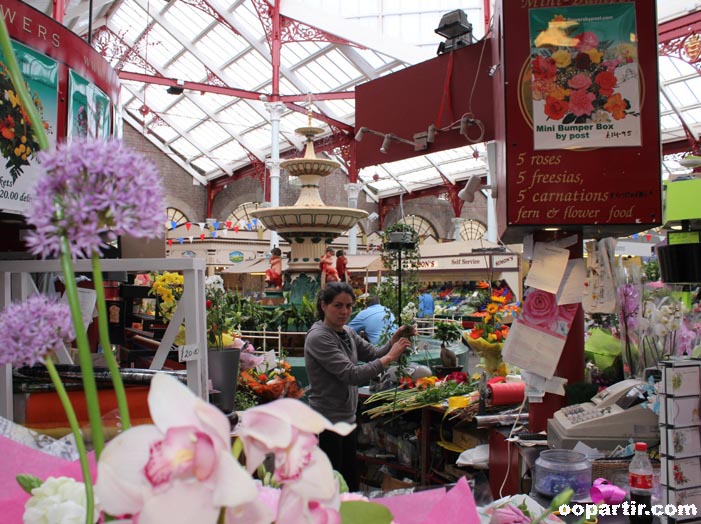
(548, 267)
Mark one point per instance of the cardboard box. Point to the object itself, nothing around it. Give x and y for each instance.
(466, 437)
(390, 483)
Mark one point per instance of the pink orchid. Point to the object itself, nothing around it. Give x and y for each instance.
(179, 470)
(313, 497)
(287, 428)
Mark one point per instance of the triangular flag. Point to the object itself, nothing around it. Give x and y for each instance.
(228, 224)
(648, 237)
(188, 225)
(214, 234)
(201, 236)
(248, 226)
(255, 223)
(216, 224)
(236, 229)
(173, 224)
(181, 240)
(170, 241)
(191, 237)
(201, 224)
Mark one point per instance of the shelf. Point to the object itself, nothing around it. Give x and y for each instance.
(387, 462)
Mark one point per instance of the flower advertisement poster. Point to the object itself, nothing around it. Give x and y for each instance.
(585, 76)
(537, 338)
(18, 145)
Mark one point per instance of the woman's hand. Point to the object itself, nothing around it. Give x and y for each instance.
(403, 332)
(396, 351)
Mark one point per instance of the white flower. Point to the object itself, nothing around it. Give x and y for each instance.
(409, 313)
(214, 283)
(57, 501)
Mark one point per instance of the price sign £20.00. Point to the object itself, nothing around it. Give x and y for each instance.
(188, 352)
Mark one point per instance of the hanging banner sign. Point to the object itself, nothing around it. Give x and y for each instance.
(585, 77)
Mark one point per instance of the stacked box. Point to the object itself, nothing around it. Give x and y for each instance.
(680, 435)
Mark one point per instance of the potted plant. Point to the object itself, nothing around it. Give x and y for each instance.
(222, 357)
(447, 332)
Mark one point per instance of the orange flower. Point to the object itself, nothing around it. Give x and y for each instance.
(555, 108)
(617, 106)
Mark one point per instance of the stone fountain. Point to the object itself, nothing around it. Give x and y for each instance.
(309, 225)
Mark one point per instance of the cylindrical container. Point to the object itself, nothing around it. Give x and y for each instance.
(559, 469)
(506, 393)
(640, 483)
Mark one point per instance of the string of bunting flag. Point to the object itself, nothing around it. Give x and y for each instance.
(211, 229)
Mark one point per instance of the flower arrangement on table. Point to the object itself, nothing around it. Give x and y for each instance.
(17, 141)
(521, 509)
(581, 82)
(181, 469)
(487, 337)
(168, 287)
(272, 383)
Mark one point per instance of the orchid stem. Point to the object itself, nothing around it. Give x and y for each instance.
(21, 86)
(79, 442)
(81, 339)
(119, 391)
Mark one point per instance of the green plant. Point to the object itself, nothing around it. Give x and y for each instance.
(447, 332)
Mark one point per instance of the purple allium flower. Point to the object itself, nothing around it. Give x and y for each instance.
(32, 329)
(100, 187)
(629, 304)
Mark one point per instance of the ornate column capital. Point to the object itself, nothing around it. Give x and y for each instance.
(353, 190)
(275, 109)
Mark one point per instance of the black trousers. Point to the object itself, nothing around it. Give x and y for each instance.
(341, 452)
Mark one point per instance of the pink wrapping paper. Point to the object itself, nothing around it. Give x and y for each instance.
(16, 458)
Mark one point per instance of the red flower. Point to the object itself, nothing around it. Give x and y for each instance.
(543, 68)
(555, 108)
(606, 81)
(208, 304)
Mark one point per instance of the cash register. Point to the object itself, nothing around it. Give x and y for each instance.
(612, 417)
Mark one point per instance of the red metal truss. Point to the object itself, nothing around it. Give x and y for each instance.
(292, 30)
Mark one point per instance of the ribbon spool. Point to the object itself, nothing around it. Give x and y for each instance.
(505, 393)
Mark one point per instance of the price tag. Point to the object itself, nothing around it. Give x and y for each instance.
(188, 352)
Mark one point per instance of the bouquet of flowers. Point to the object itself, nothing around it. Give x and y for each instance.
(220, 303)
(17, 141)
(487, 337)
(273, 383)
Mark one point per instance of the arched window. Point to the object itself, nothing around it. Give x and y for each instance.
(241, 216)
(174, 215)
(472, 230)
(422, 227)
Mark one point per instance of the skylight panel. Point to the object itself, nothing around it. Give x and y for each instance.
(220, 45)
(338, 66)
(240, 115)
(185, 115)
(185, 148)
(187, 19)
(247, 16)
(230, 152)
(249, 71)
(259, 138)
(212, 132)
(129, 21)
(187, 67)
(317, 78)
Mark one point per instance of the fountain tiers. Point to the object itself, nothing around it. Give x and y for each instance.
(309, 225)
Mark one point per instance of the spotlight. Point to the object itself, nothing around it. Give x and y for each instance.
(176, 89)
(456, 30)
(473, 184)
(360, 133)
(385, 143)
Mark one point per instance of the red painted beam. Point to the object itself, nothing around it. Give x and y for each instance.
(679, 27)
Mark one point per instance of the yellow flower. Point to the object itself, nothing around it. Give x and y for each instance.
(503, 369)
(492, 308)
(492, 337)
(487, 319)
(562, 58)
(498, 300)
(595, 55)
(559, 93)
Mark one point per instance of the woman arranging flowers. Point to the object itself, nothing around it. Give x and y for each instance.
(331, 354)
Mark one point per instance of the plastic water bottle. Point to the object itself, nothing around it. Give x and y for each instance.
(640, 484)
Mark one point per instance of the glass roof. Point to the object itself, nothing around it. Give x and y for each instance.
(334, 46)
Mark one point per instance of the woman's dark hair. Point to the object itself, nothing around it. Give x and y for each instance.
(276, 251)
(329, 292)
(339, 253)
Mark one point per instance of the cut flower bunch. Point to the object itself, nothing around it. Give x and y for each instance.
(181, 469)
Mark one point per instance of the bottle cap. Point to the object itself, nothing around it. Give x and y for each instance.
(640, 446)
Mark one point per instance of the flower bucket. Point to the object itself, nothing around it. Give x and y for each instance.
(223, 368)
